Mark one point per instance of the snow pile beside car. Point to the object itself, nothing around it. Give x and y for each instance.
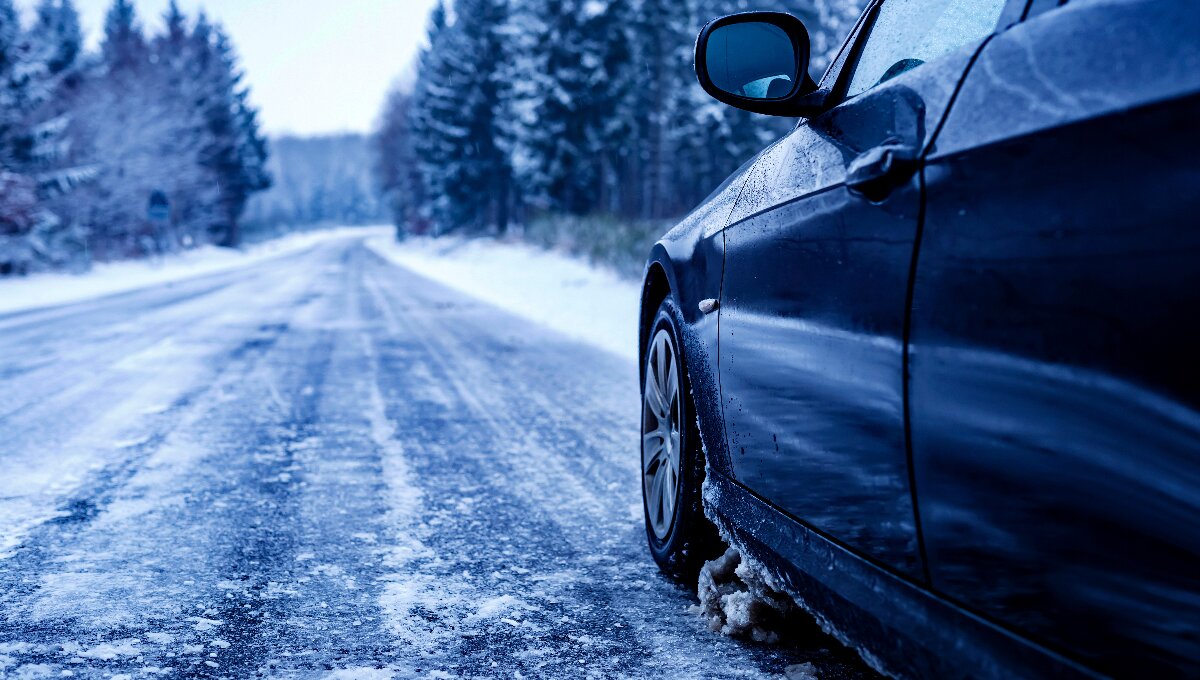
(736, 600)
(579, 300)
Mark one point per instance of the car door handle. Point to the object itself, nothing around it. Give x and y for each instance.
(875, 173)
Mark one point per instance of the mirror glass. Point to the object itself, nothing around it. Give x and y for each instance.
(752, 59)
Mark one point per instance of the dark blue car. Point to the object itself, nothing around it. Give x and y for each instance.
(934, 356)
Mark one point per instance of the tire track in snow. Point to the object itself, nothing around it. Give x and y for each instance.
(519, 481)
(110, 417)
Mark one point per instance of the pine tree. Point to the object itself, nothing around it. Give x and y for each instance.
(234, 150)
(657, 37)
(124, 46)
(53, 47)
(48, 150)
(58, 22)
(396, 171)
(10, 95)
(193, 192)
(566, 56)
(431, 104)
(465, 167)
(175, 38)
(17, 199)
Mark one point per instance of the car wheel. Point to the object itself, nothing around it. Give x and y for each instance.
(681, 537)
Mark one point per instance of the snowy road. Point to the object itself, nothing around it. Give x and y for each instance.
(324, 465)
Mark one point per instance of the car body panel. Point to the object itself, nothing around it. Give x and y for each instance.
(1055, 377)
(812, 320)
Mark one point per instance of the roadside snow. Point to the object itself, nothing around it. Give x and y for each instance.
(579, 300)
(46, 290)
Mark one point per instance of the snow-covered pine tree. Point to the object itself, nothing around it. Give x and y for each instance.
(233, 148)
(252, 148)
(710, 140)
(172, 48)
(17, 199)
(659, 32)
(397, 174)
(193, 192)
(565, 58)
(56, 35)
(124, 45)
(47, 153)
(11, 80)
(119, 127)
(429, 104)
(461, 94)
(613, 126)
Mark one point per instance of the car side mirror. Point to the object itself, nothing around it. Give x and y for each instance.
(757, 61)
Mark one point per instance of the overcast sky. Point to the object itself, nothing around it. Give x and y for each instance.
(315, 66)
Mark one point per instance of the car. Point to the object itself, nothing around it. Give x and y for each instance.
(933, 357)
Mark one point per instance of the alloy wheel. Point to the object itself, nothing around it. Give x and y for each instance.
(661, 427)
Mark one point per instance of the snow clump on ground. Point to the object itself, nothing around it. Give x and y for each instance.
(737, 601)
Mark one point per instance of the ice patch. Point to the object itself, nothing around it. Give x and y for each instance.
(361, 674)
(493, 607)
(35, 671)
(203, 624)
(107, 651)
(736, 601)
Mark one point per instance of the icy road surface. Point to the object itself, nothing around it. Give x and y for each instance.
(323, 465)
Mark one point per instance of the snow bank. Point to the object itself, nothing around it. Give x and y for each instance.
(577, 299)
(46, 290)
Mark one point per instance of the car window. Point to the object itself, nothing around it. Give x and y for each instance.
(908, 33)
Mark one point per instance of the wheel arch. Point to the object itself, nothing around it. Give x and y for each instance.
(656, 287)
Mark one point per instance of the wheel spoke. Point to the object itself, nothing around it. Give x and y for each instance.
(656, 495)
(653, 444)
(663, 353)
(670, 481)
(654, 399)
(671, 387)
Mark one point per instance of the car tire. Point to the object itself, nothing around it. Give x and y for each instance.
(681, 538)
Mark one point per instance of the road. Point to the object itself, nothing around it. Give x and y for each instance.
(323, 465)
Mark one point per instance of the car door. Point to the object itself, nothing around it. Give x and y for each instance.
(818, 255)
(1055, 384)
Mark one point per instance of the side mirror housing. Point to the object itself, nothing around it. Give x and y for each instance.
(758, 61)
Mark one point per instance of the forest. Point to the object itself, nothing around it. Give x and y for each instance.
(147, 146)
(561, 115)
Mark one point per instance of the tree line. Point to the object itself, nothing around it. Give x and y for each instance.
(147, 146)
(576, 107)
(317, 180)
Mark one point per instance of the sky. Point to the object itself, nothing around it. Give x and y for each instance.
(314, 66)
